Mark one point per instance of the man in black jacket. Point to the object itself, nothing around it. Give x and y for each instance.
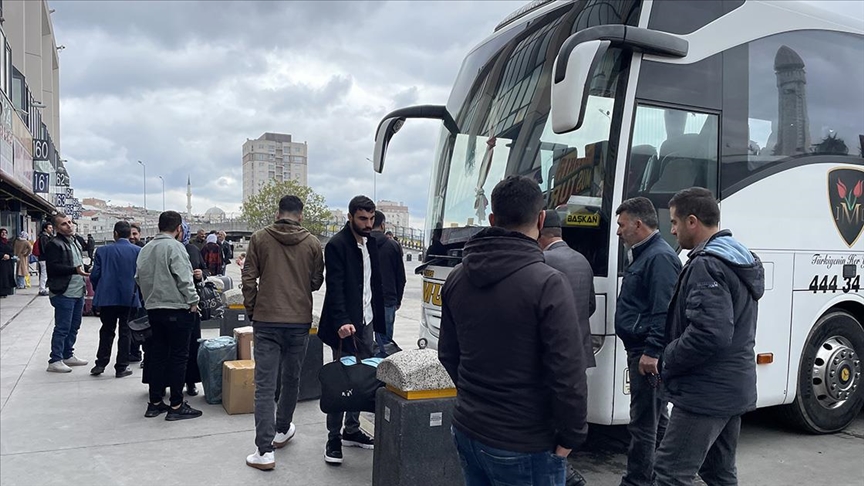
(353, 306)
(640, 322)
(709, 365)
(44, 239)
(65, 266)
(392, 279)
(509, 343)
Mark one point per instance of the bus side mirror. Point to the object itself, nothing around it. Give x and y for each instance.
(570, 85)
(580, 57)
(386, 129)
(394, 120)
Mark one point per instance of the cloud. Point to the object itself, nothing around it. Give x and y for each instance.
(181, 85)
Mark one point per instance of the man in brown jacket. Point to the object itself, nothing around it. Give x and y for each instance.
(288, 263)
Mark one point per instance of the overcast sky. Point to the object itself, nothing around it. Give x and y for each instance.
(181, 86)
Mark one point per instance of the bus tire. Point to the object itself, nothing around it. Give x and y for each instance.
(830, 391)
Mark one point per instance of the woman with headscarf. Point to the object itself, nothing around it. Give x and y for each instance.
(22, 251)
(7, 265)
(212, 254)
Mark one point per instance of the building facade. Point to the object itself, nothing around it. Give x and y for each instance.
(33, 179)
(273, 156)
(396, 213)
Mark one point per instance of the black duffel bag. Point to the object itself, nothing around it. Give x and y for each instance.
(349, 387)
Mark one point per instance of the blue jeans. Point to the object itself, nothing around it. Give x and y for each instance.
(67, 321)
(486, 466)
(382, 339)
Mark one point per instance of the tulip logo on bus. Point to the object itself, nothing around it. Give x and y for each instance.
(845, 191)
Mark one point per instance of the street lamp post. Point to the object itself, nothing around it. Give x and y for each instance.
(374, 182)
(163, 193)
(144, 166)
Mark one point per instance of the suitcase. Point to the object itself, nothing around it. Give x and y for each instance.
(211, 354)
(222, 282)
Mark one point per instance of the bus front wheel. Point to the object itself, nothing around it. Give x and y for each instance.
(830, 390)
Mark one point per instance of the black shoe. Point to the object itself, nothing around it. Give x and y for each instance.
(191, 390)
(574, 478)
(333, 452)
(358, 439)
(156, 410)
(182, 413)
(97, 370)
(121, 373)
(134, 358)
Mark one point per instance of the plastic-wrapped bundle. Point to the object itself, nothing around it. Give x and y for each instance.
(211, 354)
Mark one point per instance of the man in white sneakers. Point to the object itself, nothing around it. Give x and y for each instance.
(284, 265)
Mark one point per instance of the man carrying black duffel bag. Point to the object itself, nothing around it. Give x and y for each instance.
(353, 306)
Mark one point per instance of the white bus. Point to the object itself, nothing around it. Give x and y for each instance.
(603, 100)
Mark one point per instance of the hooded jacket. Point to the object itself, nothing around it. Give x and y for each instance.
(509, 344)
(709, 364)
(284, 265)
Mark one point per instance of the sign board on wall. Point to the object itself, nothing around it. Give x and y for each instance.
(6, 164)
(41, 182)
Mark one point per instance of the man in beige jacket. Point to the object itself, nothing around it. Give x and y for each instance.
(284, 265)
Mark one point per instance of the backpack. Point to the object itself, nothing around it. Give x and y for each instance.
(36, 248)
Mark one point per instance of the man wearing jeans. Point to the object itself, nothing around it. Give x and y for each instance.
(65, 268)
(392, 279)
(709, 364)
(165, 278)
(510, 342)
(284, 265)
(640, 323)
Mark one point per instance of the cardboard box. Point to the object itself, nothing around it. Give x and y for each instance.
(245, 344)
(238, 386)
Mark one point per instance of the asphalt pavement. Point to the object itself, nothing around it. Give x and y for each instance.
(76, 429)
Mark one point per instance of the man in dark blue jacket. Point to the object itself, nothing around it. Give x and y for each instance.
(113, 279)
(510, 342)
(709, 365)
(392, 279)
(640, 323)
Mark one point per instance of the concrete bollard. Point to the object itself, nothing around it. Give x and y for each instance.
(413, 414)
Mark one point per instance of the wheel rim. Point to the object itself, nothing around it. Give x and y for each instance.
(836, 372)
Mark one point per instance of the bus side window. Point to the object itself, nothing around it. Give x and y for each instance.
(687, 156)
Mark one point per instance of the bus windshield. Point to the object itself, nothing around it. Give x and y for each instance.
(501, 103)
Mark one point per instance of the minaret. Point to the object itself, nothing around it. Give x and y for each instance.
(794, 125)
(189, 198)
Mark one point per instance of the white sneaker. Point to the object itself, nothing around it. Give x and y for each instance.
(58, 367)
(281, 439)
(264, 463)
(75, 361)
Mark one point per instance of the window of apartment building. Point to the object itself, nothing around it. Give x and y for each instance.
(7, 78)
(19, 93)
(4, 75)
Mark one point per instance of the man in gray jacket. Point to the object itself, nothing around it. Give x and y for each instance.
(576, 268)
(165, 277)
